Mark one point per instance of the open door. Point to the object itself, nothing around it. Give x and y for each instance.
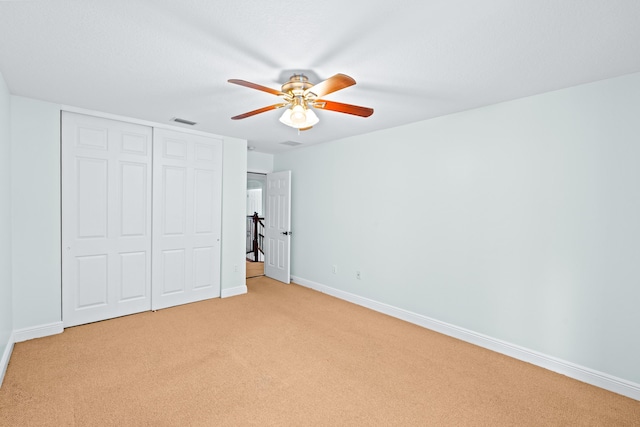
(278, 226)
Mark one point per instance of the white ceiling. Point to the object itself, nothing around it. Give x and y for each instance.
(413, 60)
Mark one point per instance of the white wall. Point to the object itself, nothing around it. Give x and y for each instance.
(519, 221)
(35, 179)
(6, 311)
(234, 201)
(36, 212)
(259, 162)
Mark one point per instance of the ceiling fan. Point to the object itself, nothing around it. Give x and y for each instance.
(298, 95)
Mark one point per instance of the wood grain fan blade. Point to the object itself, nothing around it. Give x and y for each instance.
(258, 111)
(256, 86)
(343, 108)
(332, 84)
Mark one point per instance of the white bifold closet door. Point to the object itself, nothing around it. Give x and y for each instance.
(141, 218)
(187, 194)
(106, 218)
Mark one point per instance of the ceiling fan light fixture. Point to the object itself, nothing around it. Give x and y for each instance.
(299, 117)
(298, 94)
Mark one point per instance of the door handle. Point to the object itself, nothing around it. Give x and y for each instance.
(287, 233)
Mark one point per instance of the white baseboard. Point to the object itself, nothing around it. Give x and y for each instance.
(569, 369)
(40, 331)
(4, 361)
(232, 292)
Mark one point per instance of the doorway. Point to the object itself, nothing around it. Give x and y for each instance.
(256, 208)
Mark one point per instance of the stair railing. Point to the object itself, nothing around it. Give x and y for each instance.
(256, 236)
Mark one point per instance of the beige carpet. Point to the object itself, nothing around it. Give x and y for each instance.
(285, 355)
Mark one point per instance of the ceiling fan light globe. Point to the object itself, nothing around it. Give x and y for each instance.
(312, 119)
(298, 115)
(309, 120)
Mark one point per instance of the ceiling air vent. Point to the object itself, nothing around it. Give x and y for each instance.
(291, 143)
(183, 121)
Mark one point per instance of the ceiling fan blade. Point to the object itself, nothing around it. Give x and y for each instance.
(256, 86)
(258, 111)
(343, 108)
(332, 84)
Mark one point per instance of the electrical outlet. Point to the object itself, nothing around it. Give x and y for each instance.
(235, 267)
(334, 269)
(358, 275)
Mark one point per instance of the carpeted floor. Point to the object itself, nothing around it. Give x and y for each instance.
(285, 355)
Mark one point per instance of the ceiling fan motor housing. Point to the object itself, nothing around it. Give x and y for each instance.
(297, 84)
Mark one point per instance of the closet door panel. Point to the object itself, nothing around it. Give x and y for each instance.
(106, 218)
(187, 218)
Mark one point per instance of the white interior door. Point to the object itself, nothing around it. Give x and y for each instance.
(187, 195)
(106, 218)
(278, 226)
